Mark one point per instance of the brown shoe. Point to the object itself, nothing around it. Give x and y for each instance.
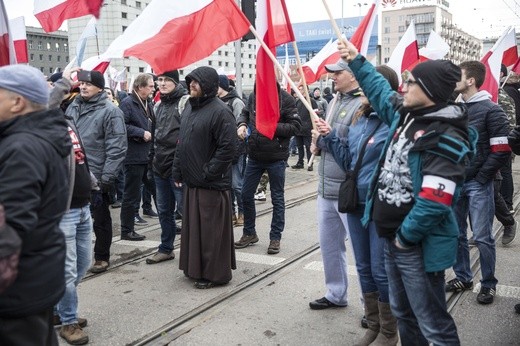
(81, 321)
(240, 220)
(274, 247)
(99, 267)
(160, 257)
(246, 240)
(73, 334)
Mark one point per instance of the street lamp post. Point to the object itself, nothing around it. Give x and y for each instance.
(359, 6)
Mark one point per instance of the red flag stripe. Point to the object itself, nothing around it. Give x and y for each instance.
(52, 18)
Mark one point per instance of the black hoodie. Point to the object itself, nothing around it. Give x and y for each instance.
(34, 190)
(206, 138)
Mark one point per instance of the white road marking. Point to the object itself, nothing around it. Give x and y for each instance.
(258, 259)
(502, 291)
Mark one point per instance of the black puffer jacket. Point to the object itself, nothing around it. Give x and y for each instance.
(167, 125)
(34, 187)
(207, 137)
(262, 148)
(305, 117)
(492, 126)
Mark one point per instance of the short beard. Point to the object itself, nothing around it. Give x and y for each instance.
(194, 93)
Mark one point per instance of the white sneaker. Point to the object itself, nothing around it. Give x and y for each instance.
(260, 196)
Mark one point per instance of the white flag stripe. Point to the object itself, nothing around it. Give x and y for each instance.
(434, 182)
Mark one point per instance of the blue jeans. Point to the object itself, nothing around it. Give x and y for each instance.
(276, 172)
(237, 181)
(477, 201)
(76, 225)
(369, 254)
(417, 298)
(167, 194)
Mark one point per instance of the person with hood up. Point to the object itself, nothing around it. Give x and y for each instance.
(202, 163)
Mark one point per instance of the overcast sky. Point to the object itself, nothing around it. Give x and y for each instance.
(482, 18)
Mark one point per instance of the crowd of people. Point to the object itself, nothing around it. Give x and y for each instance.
(423, 163)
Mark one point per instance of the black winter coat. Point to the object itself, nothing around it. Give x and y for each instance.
(262, 148)
(491, 124)
(305, 117)
(207, 137)
(34, 188)
(137, 121)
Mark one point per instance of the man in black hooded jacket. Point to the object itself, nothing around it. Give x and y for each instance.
(202, 163)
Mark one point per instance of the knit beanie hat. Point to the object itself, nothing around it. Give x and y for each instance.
(93, 77)
(437, 78)
(173, 75)
(223, 82)
(26, 81)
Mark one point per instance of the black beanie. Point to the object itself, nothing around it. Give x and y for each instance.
(56, 77)
(223, 82)
(93, 77)
(437, 78)
(173, 75)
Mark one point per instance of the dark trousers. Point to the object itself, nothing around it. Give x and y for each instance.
(502, 212)
(135, 176)
(102, 228)
(37, 330)
(301, 142)
(508, 187)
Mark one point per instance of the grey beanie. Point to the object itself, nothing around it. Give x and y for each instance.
(26, 81)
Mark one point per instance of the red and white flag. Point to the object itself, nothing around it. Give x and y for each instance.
(96, 63)
(406, 53)
(361, 37)
(516, 66)
(19, 35)
(173, 34)
(315, 68)
(52, 13)
(436, 48)
(274, 28)
(7, 53)
(493, 60)
(510, 49)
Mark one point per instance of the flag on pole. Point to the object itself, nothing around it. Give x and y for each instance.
(510, 50)
(89, 31)
(7, 53)
(19, 35)
(436, 48)
(329, 54)
(172, 34)
(52, 13)
(493, 60)
(406, 53)
(361, 37)
(274, 28)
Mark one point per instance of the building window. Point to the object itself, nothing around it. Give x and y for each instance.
(65, 47)
(387, 19)
(30, 44)
(50, 57)
(41, 57)
(39, 45)
(387, 30)
(67, 58)
(210, 62)
(32, 57)
(402, 28)
(138, 4)
(124, 15)
(226, 64)
(41, 69)
(386, 60)
(123, 2)
(225, 53)
(124, 28)
(219, 52)
(59, 58)
(220, 63)
(48, 46)
(50, 70)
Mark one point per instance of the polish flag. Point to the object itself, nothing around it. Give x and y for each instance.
(52, 13)
(315, 68)
(274, 28)
(7, 53)
(17, 27)
(436, 48)
(406, 53)
(361, 37)
(510, 50)
(96, 63)
(173, 34)
(516, 66)
(493, 60)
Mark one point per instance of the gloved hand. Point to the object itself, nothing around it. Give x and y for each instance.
(109, 192)
(514, 140)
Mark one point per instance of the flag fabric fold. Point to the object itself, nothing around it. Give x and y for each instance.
(173, 34)
(436, 48)
(274, 28)
(19, 37)
(406, 53)
(493, 60)
(52, 13)
(89, 31)
(7, 53)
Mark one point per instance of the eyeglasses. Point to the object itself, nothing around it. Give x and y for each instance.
(409, 82)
